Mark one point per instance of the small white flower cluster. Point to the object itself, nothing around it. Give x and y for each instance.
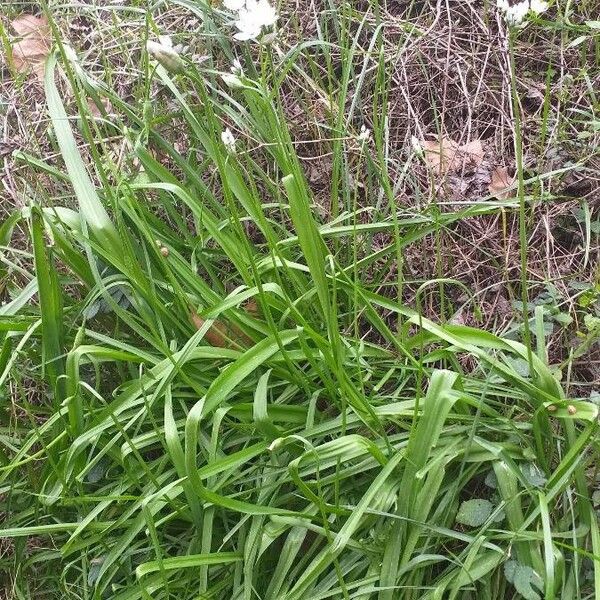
(538, 6)
(365, 135)
(515, 14)
(228, 140)
(252, 17)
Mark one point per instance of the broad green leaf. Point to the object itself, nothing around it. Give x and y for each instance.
(475, 512)
(525, 580)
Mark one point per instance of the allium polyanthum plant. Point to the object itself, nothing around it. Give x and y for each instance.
(538, 6)
(516, 13)
(364, 135)
(253, 16)
(228, 140)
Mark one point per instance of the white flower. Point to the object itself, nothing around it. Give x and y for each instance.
(228, 140)
(364, 135)
(251, 19)
(234, 4)
(236, 68)
(248, 29)
(165, 54)
(268, 13)
(514, 14)
(165, 40)
(539, 6)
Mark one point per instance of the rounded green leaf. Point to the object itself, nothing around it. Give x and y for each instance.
(474, 513)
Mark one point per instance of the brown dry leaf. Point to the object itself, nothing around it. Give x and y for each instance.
(445, 155)
(31, 52)
(95, 109)
(251, 307)
(222, 335)
(440, 154)
(472, 152)
(500, 181)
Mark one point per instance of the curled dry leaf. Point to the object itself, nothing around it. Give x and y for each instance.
(30, 53)
(222, 335)
(446, 156)
(501, 180)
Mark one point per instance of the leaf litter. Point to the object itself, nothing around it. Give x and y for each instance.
(465, 171)
(500, 183)
(446, 156)
(30, 53)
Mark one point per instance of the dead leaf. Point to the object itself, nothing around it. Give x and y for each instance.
(31, 52)
(251, 307)
(446, 156)
(95, 109)
(472, 152)
(221, 334)
(439, 154)
(501, 180)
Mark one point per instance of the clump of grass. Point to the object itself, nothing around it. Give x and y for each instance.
(234, 405)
